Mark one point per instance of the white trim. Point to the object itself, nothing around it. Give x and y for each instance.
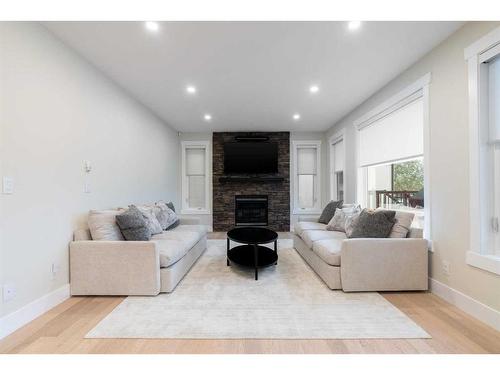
(479, 206)
(490, 263)
(418, 89)
(472, 307)
(33, 310)
(394, 103)
(193, 211)
(317, 208)
(334, 139)
(486, 42)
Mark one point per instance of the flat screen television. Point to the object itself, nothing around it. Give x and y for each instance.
(250, 157)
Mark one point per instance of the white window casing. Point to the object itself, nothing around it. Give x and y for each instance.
(306, 177)
(397, 130)
(195, 177)
(483, 60)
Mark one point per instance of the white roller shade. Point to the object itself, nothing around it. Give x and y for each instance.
(338, 156)
(396, 136)
(494, 98)
(195, 161)
(306, 160)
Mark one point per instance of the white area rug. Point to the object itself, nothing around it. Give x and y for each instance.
(287, 302)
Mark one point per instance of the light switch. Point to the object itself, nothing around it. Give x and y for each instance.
(8, 185)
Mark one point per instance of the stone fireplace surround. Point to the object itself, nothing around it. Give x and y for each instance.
(276, 189)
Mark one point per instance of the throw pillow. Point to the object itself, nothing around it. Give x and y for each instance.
(329, 211)
(169, 205)
(372, 224)
(153, 223)
(402, 225)
(102, 225)
(343, 218)
(133, 225)
(169, 219)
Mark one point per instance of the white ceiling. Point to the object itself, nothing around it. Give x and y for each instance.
(252, 75)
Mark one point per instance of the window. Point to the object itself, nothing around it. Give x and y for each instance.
(484, 131)
(306, 176)
(195, 182)
(393, 151)
(337, 167)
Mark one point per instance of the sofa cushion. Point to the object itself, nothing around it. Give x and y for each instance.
(191, 234)
(311, 236)
(328, 250)
(103, 226)
(329, 211)
(301, 226)
(171, 250)
(372, 224)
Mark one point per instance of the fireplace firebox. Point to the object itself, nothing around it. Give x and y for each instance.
(251, 210)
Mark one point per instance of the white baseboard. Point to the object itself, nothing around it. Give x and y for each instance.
(472, 307)
(33, 310)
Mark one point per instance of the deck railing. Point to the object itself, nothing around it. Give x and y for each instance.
(400, 197)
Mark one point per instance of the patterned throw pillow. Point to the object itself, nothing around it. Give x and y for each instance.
(166, 215)
(329, 211)
(133, 225)
(343, 218)
(153, 223)
(372, 224)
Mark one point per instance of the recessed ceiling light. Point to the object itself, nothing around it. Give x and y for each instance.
(354, 25)
(152, 26)
(313, 89)
(191, 89)
(296, 117)
(207, 117)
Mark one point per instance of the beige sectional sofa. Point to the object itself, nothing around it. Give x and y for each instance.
(135, 267)
(363, 264)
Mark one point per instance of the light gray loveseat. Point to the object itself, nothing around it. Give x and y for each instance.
(135, 267)
(363, 264)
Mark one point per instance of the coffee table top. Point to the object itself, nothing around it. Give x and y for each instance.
(252, 235)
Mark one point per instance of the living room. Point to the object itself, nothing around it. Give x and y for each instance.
(250, 187)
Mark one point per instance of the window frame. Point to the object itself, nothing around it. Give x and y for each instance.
(334, 139)
(185, 210)
(484, 49)
(317, 189)
(418, 89)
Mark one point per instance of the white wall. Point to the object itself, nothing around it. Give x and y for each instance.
(56, 110)
(448, 118)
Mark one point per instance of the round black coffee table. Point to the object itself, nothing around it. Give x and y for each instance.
(251, 254)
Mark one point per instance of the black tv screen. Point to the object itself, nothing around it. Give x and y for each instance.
(250, 157)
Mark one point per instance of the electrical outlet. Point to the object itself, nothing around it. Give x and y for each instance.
(55, 270)
(9, 292)
(446, 267)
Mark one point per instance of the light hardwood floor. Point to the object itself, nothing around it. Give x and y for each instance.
(62, 330)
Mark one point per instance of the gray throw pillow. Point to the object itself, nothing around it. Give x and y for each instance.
(343, 218)
(329, 211)
(133, 225)
(372, 224)
(166, 215)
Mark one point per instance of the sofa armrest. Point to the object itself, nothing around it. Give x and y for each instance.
(311, 218)
(183, 220)
(378, 264)
(114, 268)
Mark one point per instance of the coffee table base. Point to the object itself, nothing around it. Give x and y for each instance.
(253, 256)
